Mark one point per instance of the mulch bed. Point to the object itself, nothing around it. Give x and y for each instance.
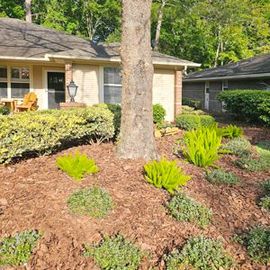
(34, 194)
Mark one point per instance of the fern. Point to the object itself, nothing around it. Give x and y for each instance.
(201, 146)
(231, 131)
(77, 165)
(165, 174)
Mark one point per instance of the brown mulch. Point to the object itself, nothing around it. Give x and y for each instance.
(33, 195)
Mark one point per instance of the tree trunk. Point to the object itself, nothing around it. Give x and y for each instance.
(136, 135)
(159, 23)
(28, 16)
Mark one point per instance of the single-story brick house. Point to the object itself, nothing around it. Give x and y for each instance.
(34, 58)
(252, 73)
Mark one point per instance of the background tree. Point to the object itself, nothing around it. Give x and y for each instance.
(28, 11)
(136, 134)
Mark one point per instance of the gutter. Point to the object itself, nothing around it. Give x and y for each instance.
(38, 59)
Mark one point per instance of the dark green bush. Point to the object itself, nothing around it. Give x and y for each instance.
(46, 131)
(200, 253)
(192, 121)
(184, 208)
(4, 110)
(195, 103)
(218, 176)
(94, 202)
(16, 250)
(165, 174)
(257, 243)
(116, 110)
(115, 253)
(249, 105)
(159, 113)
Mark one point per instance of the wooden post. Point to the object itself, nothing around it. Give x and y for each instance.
(178, 93)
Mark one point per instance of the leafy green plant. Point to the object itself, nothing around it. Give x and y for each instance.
(191, 110)
(219, 176)
(159, 113)
(184, 208)
(194, 103)
(77, 165)
(193, 121)
(201, 146)
(44, 132)
(238, 146)
(165, 174)
(265, 203)
(253, 165)
(16, 250)
(257, 243)
(230, 131)
(4, 110)
(266, 186)
(199, 253)
(115, 253)
(94, 202)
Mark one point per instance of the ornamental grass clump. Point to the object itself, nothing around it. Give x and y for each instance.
(184, 208)
(201, 146)
(165, 174)
(115, 253)
(77, 165)
(94, 202)
(200, 253)
(219, 176)
(16, 250)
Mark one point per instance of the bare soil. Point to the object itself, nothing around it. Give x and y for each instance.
(33, 195)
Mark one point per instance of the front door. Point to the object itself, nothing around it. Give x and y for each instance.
(56, 89)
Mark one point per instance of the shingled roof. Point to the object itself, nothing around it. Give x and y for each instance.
(255, 66)
(20, 39)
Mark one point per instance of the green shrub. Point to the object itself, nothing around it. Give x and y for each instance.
(249, 105)
(77, 165)
(116, 110)
(266, 186)
(201, 146)
(184, 208)
(192, 121)
(257, 243)
(115, 253)
(265, 202)
(254, 165)
(16, 250)
(159, 113)
(191, 110)
(238, 146)
(4, 110)
(165, 174)
(200, 253)
(231, 131)
(218, 176)
(44, 132)
(195, 103)
(94, 202)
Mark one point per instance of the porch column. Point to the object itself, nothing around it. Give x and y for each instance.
(69, 77)
(178, 92)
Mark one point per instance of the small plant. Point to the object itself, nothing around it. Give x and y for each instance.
(4, 110)
(184, 208)
(16, 250)
(207, 121)
(266, 186)
(257, 243)
(201, 146)
(159, 113)
(253, 165)
(231, 131)
(199, 253)
(265, 203)
(94, 202)
(165, 174)
(115, 253)
(218, 176)
(77, 165)
(190, 110)
(238, 146)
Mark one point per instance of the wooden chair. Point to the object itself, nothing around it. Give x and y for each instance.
(29, 103)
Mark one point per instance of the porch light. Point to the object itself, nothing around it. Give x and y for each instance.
(72, 90)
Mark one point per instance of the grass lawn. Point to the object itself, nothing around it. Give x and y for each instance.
(34, 195)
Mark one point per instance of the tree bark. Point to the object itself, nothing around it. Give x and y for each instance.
(28, 16)
(136, 135)
(159, 23)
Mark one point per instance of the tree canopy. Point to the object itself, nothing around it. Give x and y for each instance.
(211, 32)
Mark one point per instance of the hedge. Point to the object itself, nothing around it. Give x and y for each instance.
(43, 132)
(192, 121)
(248, 105)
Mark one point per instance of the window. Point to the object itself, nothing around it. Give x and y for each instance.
(20, 81)
(225, 85)
(112, 85)
(3, 82)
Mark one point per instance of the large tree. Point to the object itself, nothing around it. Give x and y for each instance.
(136, 135)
